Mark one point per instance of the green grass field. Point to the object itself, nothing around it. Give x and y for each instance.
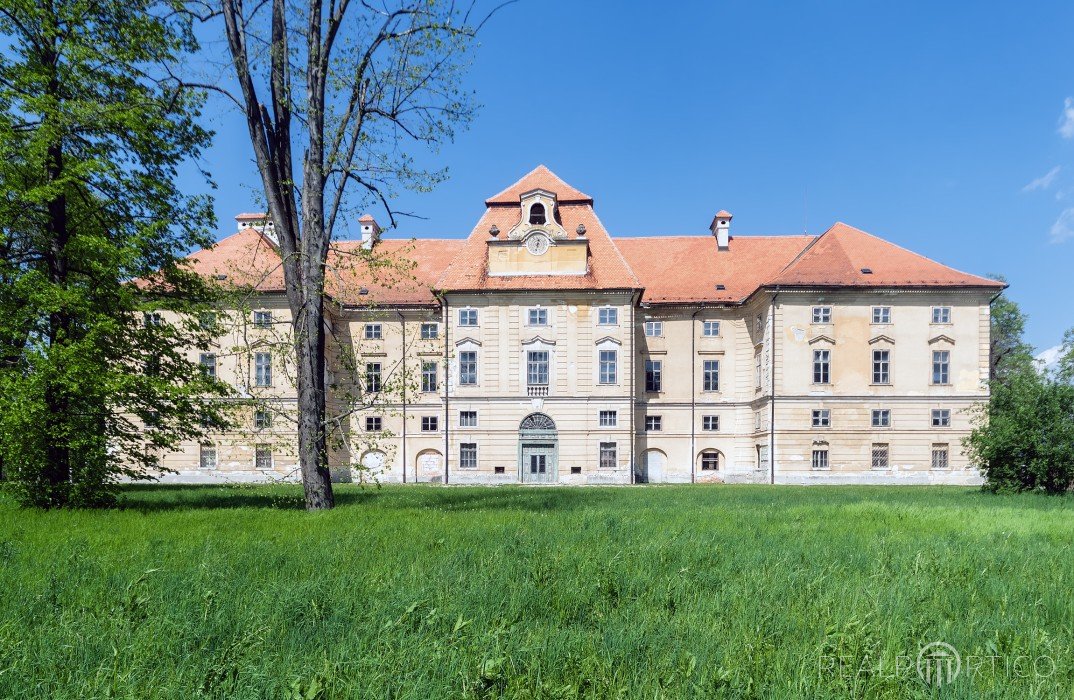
(414, 592)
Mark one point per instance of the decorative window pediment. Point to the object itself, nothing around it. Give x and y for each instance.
(538, 340)
(882, 339)
(822, 339)
(608, 339)
(467, 341)
(942, 339)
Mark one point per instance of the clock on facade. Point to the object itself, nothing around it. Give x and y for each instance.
(537, 245)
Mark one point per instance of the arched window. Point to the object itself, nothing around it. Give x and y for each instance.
(710, 460)
(537, 216)
(537, 421)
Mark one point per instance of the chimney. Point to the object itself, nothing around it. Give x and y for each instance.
(258, 221)
(721, 228)
(370, 231)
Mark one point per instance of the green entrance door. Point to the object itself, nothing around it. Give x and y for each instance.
(537, 463)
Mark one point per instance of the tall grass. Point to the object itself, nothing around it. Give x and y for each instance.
(415, 592)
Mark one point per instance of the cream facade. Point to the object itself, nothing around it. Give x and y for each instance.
(541, 350)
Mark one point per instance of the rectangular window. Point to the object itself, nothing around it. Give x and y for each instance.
(467, 317)
(822, 314)
(710, 461)
(710, 375)
(373, 331)
(609, 419)
(881, 314)
(262, 369)
(881, 366)
(822, 418)
(537, 368)
(538, 317)
(880, 455)
(152, 319)
(372, 377)
(207, 457)
(758, 326)
(430, 424)
(607, 455)
(468, 455)
(609, 361)
(757, 369)
(881, 418)
(373, 424)
(428, 377)
(468, 367)
(262, 419)
(430, 331)
(608, 316)
(263, 319)
(653, 375)
(820, 459)
(822, 366)
(263, 456)
(653, 423)
(941, 367)
(710, 329)
(711, 423)
(940, 457)
(468, 419)
(941, 418)
(208, 364)
(654, 328)
(941, 314)
(207, 321)
(762, 456)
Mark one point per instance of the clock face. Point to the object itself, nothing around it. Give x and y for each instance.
(537, 245)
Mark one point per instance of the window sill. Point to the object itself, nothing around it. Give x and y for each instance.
(880, 384)
(820, 469)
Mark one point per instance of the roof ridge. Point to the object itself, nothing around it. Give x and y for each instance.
(626, 265)
(906, 250)
(805, 250)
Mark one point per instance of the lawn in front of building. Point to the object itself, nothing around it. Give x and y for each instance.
(438, 592)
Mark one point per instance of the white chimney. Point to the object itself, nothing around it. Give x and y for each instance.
(370, 231)
(259, 222)
(721, 228)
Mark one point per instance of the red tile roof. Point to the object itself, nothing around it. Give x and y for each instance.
(539, 178)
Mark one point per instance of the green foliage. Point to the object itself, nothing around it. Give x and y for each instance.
(92, 133)
(1008, 352)
(420, 592)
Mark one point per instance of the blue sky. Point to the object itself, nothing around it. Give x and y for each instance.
(946, 129)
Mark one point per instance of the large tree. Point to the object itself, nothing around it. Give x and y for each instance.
(333, 95)
(1009, 354)
(93, 131)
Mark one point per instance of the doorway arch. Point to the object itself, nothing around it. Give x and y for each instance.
(429, 466)
(538, 449)
(654, 466)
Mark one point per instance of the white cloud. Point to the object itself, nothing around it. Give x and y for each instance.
(1066, 122)
(1044, 181)
(1063, 228)
(1049, 359)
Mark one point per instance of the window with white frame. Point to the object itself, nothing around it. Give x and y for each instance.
(710, 423)
(941, 366)
(881, 315)
(430, 424)
(710, 461)
(607, 455)
(609, 419)
(208, 364)
(941, 418)
(608, 316)
(822, 418)
(467, 317)
(373, 424)
(262, 319)
(820, 458)
(372, 377)
(207, 456)
(537, 317)
(428, 376)
(941, 456)
(537, 368)
(880, 455)
(757, 369)
(430, 331)
(207, 321)
(152, 319)
(262, 456)
(822, 314)
(609, 367)
(758, 326)
(758, 421)
(653, 375)
(881, 366)
(262, 419)
(467, 419)
(468, 455)
(468, 368)
(262, 369)
(881, 418)
(654, 328)
(653, 423)
(373, 331)
(822, 366)
(710, 375)
(762, 456)
(941, 314)
(710, 329)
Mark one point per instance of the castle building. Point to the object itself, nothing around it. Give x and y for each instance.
(541, 349)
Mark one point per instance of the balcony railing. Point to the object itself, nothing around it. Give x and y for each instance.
(537, 390)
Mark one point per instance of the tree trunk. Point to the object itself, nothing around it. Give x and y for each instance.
(312, 433)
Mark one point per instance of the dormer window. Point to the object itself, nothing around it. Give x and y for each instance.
(537, 217)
